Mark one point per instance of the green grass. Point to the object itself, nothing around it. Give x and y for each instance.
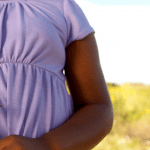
(131, 128)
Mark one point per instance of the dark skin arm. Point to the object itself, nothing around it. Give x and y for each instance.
(93, 118)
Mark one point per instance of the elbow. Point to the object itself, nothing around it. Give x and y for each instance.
(104, 122)
(109, 118)
(111, 125)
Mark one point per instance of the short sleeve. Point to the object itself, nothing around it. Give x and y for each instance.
(78, 25)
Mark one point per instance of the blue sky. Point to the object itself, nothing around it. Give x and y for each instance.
(121, 2)
(123, 37)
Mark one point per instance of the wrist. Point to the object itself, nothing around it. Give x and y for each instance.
(48, 142)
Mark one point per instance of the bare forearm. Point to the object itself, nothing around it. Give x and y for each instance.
(83, 131)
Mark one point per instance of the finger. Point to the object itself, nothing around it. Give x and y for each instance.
(5, 142)
(4, 148)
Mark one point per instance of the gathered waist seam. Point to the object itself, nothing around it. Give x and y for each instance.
(34, 66)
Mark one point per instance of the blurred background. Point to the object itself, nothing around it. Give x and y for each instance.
(122, 31)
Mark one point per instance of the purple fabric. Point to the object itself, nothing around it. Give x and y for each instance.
(34, 35)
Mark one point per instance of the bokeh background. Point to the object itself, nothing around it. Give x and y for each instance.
(122, 31)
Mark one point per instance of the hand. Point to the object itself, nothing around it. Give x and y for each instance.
(17, 142)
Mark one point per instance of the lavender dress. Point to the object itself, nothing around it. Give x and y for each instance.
(33, 38)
